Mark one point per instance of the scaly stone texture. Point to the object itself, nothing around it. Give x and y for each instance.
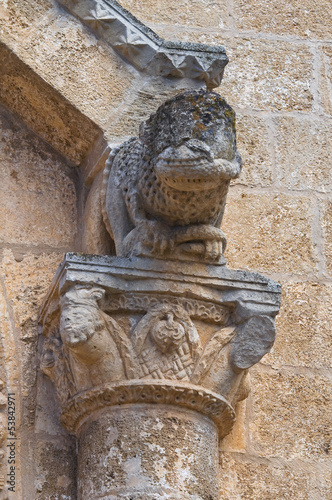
(46, 214)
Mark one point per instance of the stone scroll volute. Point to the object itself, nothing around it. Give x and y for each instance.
(163, 330)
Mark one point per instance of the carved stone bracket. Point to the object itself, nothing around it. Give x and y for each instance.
(144, 49)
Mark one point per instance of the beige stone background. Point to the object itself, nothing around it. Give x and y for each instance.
(60, 90)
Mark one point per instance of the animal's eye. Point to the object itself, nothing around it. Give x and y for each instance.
(206, 118)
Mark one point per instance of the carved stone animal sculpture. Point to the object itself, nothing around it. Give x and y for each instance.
(165, 191)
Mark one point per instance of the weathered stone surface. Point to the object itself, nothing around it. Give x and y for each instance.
(326, 78)
(267, 74)
(304, 149)
(198, 13)
(291, 416)
(41, 209)
(270, 232)
(327, 232)
(122, 336)
(25, 284)
(44, 110)
(165, 192)
(56, 469)
(131, 342)
(60, 50)
(304, 327)
(236, 440)
(254, 143)
(248, 478)
(148, 452)
(305, 19)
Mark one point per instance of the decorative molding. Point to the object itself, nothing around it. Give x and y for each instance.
(144, 49)
(197, 309)
(176, 393)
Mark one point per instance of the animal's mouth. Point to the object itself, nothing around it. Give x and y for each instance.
(186, 174)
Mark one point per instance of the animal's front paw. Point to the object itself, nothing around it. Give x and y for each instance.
(148, 238)
(157, 237)
(213, 250)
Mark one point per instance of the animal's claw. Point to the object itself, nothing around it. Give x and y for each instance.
(213, 250)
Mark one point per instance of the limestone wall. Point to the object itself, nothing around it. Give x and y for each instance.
(278, 218)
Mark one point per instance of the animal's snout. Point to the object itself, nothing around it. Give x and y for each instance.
(187, 150)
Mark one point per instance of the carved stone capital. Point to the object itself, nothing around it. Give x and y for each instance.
(140, 331)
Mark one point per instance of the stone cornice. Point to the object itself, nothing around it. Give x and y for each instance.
(144, 49)
(212, 282)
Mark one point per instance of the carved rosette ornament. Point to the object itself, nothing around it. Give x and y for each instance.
(149, 350)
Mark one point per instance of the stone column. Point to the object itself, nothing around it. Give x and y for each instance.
(147, 451)
(148, 364)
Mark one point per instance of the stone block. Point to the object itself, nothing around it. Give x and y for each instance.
(200, 13)
(56, 469)
(236, 440)
(305, 19)
(327, 232)
(26, 283)
(291, 414)
(266, 74)
(37, 192)
(254, 146)
(270, 232)
(74, 62)
(44, 110)
(249, 478)
(8, 358)
(304, 148)
(326, 78)
(304, 327)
